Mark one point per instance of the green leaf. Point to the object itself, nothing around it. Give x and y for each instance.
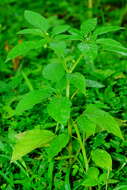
(89, 50)
(23, 48)
(103, 119)
(59, 109)
(91, 177)
(59, 47)
(32, 98)
(57, 144)
(78, 81)
(34, 31)
(105, 29)
(53, 72)
(36, 20)
(94, 84)
(112, 46)
(60, 29)
(86, 126)
(88, 26)
(102, 159)
(30, 140)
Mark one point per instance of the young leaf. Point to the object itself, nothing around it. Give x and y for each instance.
(34, 31)
(23, 48)
(36, 20)
(53, 72)
(78, 81)
(102, 159)
(86, 125)
(89, 50)
(59, 109)
(31, 98)
(105, 29)
(30, 140)
(88, 26)
(103, 119)
(112, 45)
(57, 144)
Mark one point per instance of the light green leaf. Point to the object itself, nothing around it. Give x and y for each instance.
(88, 26)
(78, 81)
(23, 48)
(103, 119)
(30, 140)
(36, 20)
(91, 177)
(94, 84)
(59, 109)
(60, 29)
(112, 46)
(59, 47)
(32, 98)
(102, 159)
(105, 29)
(53, 72)
(57, 144)
(89, 50)
(34, 31)
(86, 125)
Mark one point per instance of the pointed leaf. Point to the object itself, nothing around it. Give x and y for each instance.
(32, 98)
(36, 20)
(60, 29)
(105, 29)
(30, 140)
(88, 26)
(112, 45)
(57, 144)
(23, 48)
(59, 109)
(103, 119)
(34, 31)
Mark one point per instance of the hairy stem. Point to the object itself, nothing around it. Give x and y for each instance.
(27, 81)
(76, 63)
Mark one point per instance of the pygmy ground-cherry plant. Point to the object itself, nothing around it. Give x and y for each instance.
(71, 121)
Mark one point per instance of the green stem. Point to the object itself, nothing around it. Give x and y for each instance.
(27, 81)
(106, 188)
(90, 6)
(76, 63)
(82, 147)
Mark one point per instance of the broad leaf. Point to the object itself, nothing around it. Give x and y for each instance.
(59, 109)
(88, 26)
(60, 29)
(103, 119)
(112, 46)
(23, 48)
(53, 72)
(86, 125)
(30, 140)
(102, 159)
(36, 20)
(105, 29)
(91, 177)
(57, 144)
(32, 98)
(34, 31)
(78, 81)
(59, 47)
